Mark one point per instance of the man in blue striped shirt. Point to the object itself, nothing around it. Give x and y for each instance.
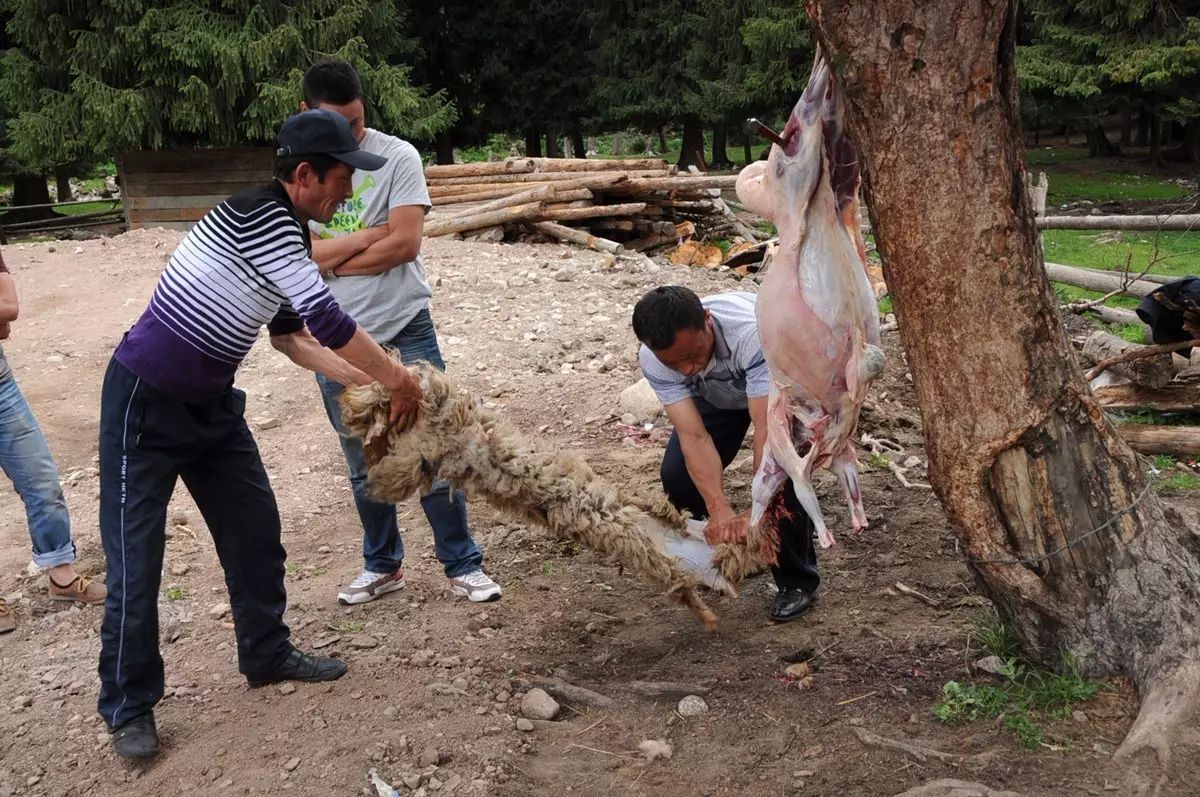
(704, 359)
(169, 410)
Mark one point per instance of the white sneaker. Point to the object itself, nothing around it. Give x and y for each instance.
(476, 587)
(370, 585)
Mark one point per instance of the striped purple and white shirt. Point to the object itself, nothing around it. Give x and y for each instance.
(245, 264)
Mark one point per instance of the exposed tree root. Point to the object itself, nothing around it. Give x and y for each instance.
(1166, 703)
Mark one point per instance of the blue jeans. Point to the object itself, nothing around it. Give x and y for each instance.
(383, 549)
(26, 460)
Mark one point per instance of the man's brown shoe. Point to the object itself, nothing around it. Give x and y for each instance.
(8, 620)
(82, 589)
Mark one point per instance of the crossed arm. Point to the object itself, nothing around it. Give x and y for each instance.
(9, 307)
(375, 249)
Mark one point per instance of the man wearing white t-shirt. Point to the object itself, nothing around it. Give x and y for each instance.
(370, 256)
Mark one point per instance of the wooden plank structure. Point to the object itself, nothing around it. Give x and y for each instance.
(174, 188)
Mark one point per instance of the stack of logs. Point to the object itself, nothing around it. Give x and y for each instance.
(1155, 382)
(607, 205)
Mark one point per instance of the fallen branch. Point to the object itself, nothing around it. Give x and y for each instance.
(1149, 223)
(1172, 398)
(453, 224)
(572, 693)
(1099, 281)
(903, 588)
(584, 239)
(667, 689)
(598, 211)
(1137, 354)
(1152, 438)
(901, 476)
(512, 166)
(918, 752)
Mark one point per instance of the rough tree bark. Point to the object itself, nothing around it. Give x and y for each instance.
(1020, 452)
(62, 184)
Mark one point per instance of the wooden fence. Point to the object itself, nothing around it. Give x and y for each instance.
(174, 188)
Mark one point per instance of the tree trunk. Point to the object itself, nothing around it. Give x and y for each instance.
(1189, 150)
(1155, 140)
(443, 146)
(28, 189)
(1126, 126)
(662, 140)
(1143, 129)
(1020, 452)
(533, 142)
(691, 152)
(62, 184)
(577, 143)
(747, 154)
(720, 158)
(1098, 144)
(552, 148)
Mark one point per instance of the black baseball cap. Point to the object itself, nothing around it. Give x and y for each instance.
(1166, 308)
(324, 132)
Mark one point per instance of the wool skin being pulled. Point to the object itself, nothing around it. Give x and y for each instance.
(459, 441)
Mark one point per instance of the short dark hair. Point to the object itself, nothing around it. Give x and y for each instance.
(665, 311)
(331, 81)
(285, 166)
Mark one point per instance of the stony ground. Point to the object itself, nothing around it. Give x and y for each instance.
(435, 687)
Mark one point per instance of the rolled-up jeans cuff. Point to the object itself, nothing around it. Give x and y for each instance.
(63, 556)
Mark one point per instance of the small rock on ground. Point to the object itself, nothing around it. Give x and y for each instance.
(692, 706)
(538, 705)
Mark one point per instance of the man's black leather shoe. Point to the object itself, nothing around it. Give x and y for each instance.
(302, 667)
(137, 738)
(790, 604)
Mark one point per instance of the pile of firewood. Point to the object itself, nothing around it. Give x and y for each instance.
(607, 205)
(1128, 377)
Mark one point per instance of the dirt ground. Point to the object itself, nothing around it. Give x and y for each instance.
(435, 683)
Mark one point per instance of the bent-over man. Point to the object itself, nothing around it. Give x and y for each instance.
(704, 359)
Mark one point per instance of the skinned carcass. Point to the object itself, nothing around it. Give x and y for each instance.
(817, 313)
(460, 441)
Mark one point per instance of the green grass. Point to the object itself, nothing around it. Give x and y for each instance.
(348, 626)
(1168, 253)
(88, 207)
(1172, 254)
(878, 461)
(1027, 696)
(1171, 479)
(1108, 185)
(885, 305)
(174, 593)
(996, 636)
(547, 569)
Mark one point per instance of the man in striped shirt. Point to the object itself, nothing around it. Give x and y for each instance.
(704, 359)
(169, 410)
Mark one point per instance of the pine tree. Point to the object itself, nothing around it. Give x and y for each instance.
(89, 78)
(1087, 56)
